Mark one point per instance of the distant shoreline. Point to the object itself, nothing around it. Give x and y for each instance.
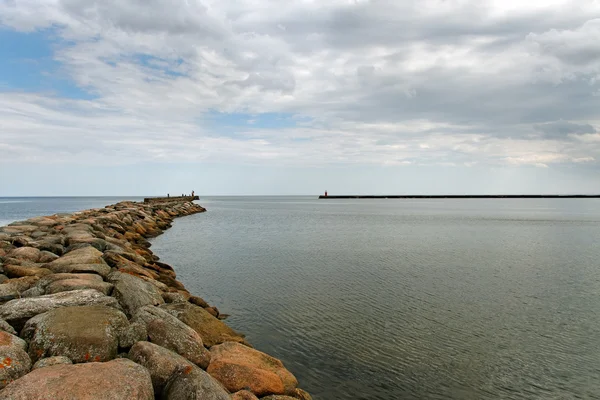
(471, 196)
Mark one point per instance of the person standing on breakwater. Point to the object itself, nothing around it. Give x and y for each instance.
(192, 193)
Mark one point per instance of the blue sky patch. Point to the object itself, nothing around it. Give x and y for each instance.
(28, 64)
(165, 66)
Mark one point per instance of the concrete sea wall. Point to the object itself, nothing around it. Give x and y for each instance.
(87, 311)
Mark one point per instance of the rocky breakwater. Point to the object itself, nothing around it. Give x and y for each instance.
(88, 312)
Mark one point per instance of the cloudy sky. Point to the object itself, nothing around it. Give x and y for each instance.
(124, 97)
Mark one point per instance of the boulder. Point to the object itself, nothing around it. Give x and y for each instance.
(300, 394)
(33, 291)
(81, 333)
(5, 326)
(86, 259)
(119, 379)
(124, 265)
(211, 330)
(46, 257)
(160, 362)
(173, 297)
(199, 301)
(3, 278)
(136, 333)
(14, 361)
(45, 281)
(100, 269)
(180, 338)
(240, 367)
(17, 312)
(76, 284)
(8, 339)
(243, 395)
(194, 383)
(19, 271)
(278, 397)
(167, 331)
(133, 292)
(25, 253)
(50, 361)
(11, 288)
(50, 247)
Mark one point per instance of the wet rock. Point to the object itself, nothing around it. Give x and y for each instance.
(3, 278)
(76, 284)
(50, 361)
(170, 281)
(199, 301)
(240, 367)
(279, 397)
(300, 394)
(87, 259)
(173, 297)
(160, 362)
(14, 361)
(213, 311)
(120, 379)
(17, 312)
(194, 383)
(133, 292)
(84, 334)
(211, 330)
(243, 395)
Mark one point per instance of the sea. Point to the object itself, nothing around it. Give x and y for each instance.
(397, 299)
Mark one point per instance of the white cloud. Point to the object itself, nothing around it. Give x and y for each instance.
(382, 81)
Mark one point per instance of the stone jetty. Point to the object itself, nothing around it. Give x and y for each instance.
(87, 311)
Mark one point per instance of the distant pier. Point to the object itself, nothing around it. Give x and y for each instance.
(469, 196)
(170, 198)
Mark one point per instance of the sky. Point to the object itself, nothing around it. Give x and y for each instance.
(228, 97)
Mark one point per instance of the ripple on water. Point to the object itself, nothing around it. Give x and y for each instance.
(380, 300)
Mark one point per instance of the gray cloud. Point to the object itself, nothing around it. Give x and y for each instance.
(381, 81)
(561, 129)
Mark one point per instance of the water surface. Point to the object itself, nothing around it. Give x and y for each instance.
(393, 299)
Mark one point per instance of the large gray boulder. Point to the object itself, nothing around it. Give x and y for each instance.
(17, 312)
(160, 362)
(119, 379)
(83, 333)
(133, 292)
(85, 259)
(167, 331)
(77, 284)
(194, 383)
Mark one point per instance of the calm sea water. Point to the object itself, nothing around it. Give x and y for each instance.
(395, 299)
